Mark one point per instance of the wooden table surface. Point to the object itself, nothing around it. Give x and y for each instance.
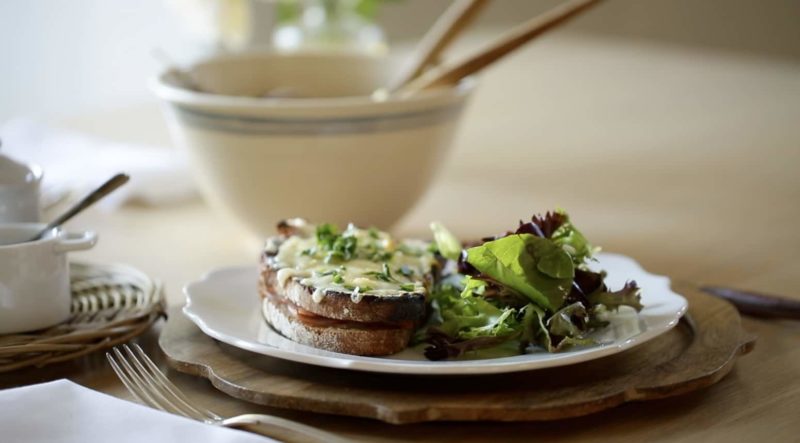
(684, 159)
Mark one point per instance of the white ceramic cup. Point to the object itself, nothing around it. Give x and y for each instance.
(34, 276)
(19, 191)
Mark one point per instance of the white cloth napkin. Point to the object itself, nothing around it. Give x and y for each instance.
(66, 412)
(76, 163)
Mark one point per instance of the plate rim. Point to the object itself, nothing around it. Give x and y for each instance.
(392, 366)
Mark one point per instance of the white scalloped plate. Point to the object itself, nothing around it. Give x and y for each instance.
(226, 306)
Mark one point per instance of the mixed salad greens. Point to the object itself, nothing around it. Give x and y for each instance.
(530, 287)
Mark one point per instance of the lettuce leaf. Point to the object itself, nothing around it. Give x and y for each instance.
(558, 227)
(543, 226)
(532, 266)
(529, 287)
(569, 321)
(473, 287)
(472, 316)
(443, 346)
(447, 243)
(459, 324)
(534, 330)
(629, 295)
(571, 240)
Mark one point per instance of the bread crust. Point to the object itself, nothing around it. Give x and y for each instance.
(375, 325)
(347, 340)
(339, 305)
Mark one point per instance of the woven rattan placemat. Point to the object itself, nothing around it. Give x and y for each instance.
(110, 305)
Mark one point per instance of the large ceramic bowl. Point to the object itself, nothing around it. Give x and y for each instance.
(328, 152)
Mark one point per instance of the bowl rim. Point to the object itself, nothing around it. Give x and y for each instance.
(182, 96)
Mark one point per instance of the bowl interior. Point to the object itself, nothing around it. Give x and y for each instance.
(291, 76)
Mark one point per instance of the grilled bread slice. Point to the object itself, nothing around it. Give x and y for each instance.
(357, 292)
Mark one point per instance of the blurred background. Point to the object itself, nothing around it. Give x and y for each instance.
(62, 58)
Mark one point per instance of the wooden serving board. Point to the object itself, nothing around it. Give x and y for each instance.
(695, 354)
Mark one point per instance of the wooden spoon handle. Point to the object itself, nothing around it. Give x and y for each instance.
(450, 75)
(449, 25)
(757, 305)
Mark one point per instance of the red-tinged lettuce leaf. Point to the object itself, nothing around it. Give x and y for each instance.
(585, 282)
(543, 226)
(525, 287)
(588, 282)
(540, 226)
(629, 295)
(443, 346)
(464, 267)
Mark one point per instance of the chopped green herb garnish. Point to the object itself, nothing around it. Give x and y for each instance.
(338, 278)
(326, 235)
(374, 252)
(378, 276)
(338, 247)
(373, 233)
(385, 275)
(343, 249)
(408, 287)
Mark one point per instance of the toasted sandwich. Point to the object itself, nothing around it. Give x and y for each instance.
(356, 291)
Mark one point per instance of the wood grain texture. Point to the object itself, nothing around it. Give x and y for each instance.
(696, 354)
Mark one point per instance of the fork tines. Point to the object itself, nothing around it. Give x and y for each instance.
(150, 386)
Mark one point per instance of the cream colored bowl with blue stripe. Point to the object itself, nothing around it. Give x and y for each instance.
(302, 136)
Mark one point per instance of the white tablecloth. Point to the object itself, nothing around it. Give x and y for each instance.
(65, 412)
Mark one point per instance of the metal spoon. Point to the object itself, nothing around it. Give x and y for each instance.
(104, 189)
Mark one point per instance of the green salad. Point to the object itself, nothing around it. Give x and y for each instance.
(525, 289)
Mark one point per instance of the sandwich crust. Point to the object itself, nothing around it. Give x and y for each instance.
(347, 339)
(392, 309)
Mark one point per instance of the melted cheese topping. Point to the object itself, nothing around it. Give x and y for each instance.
(380, 266)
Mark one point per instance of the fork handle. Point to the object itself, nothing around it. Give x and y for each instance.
(281, 428)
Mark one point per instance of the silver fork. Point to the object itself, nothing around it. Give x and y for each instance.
(150, 386)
